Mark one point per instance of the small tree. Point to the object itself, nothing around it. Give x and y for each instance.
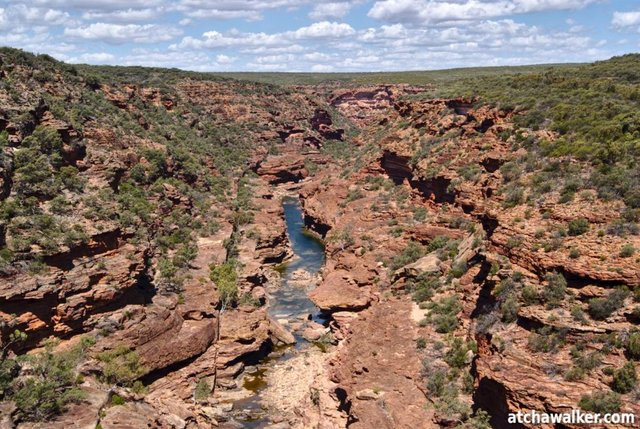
(601, 402)
(202, 390)
(556, 288)
(578, 226)
(122, 365)
(226, 279)
(633, 345)
(625, 378)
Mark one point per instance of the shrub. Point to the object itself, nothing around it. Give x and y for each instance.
(632, 345)
(574, 253)
(421, 343)
(625, 378)
(509, 309)
(458, 269)
(578, 315)
(117, 400)
(121, 365)
(627, 251)
(41, 399)
(601, 402)
(480, 420)
(514, 196)
(585, 361)
(438, 242)
(419, 214)
(514, 242)
(578, 226)
(530, 295)
(601, 308)
(51, 385)
(547, 339)
(410, 254)
(202, 390)
(556, 288)
(574, 374)
(436, 382)
(225, 278)
(423, 287)
(456, 356)
(444, 314)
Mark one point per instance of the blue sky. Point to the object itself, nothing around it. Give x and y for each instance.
(322, 35)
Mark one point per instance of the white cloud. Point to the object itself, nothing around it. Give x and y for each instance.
(224, 59)
(127, 15)
(323, 30)
(422, 11)
(416, 34)
(119, 33)
(330, 10)
(19, 15)
(235, 38)
(626, 19)
(321, 68)
(317, 56)
(96, 5)
(252, 10)
(275, 59)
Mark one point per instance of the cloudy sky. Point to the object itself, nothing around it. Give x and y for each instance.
(322, 35)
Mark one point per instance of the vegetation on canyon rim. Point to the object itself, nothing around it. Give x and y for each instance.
(188, 177)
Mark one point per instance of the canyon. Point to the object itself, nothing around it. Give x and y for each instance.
(232, 254)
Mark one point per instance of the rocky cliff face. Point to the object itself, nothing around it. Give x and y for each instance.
(520, 294)
(465, 271)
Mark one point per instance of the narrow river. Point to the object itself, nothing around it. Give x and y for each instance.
(288, 304)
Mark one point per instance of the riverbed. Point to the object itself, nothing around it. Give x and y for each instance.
(290, 305)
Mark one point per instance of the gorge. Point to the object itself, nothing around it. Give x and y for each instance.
(182, 250)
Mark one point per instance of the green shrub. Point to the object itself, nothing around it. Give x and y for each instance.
(436, 382)
(456, 356)
(574, 374)
(625, 378)
(632, 345)
(480, 420)
(117, 400)
(556, 288)
(438, 242)
(601, 308)
(202, 390)
(226, 279)
(578, 226)
(444, 314)
(514, 242)
(547, 339)
(601, 402)
(419, 214)
(530, 295)
(50, 386)
(410, 254)
(514, 196)
(458, 269)
(121, 365)
(509, 309)
(627, 251)
(423, 287)
(577, 314)
(41, 399)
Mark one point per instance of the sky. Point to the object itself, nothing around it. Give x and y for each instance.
(322, 35)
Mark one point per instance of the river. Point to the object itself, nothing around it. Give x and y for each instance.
(287, 303)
